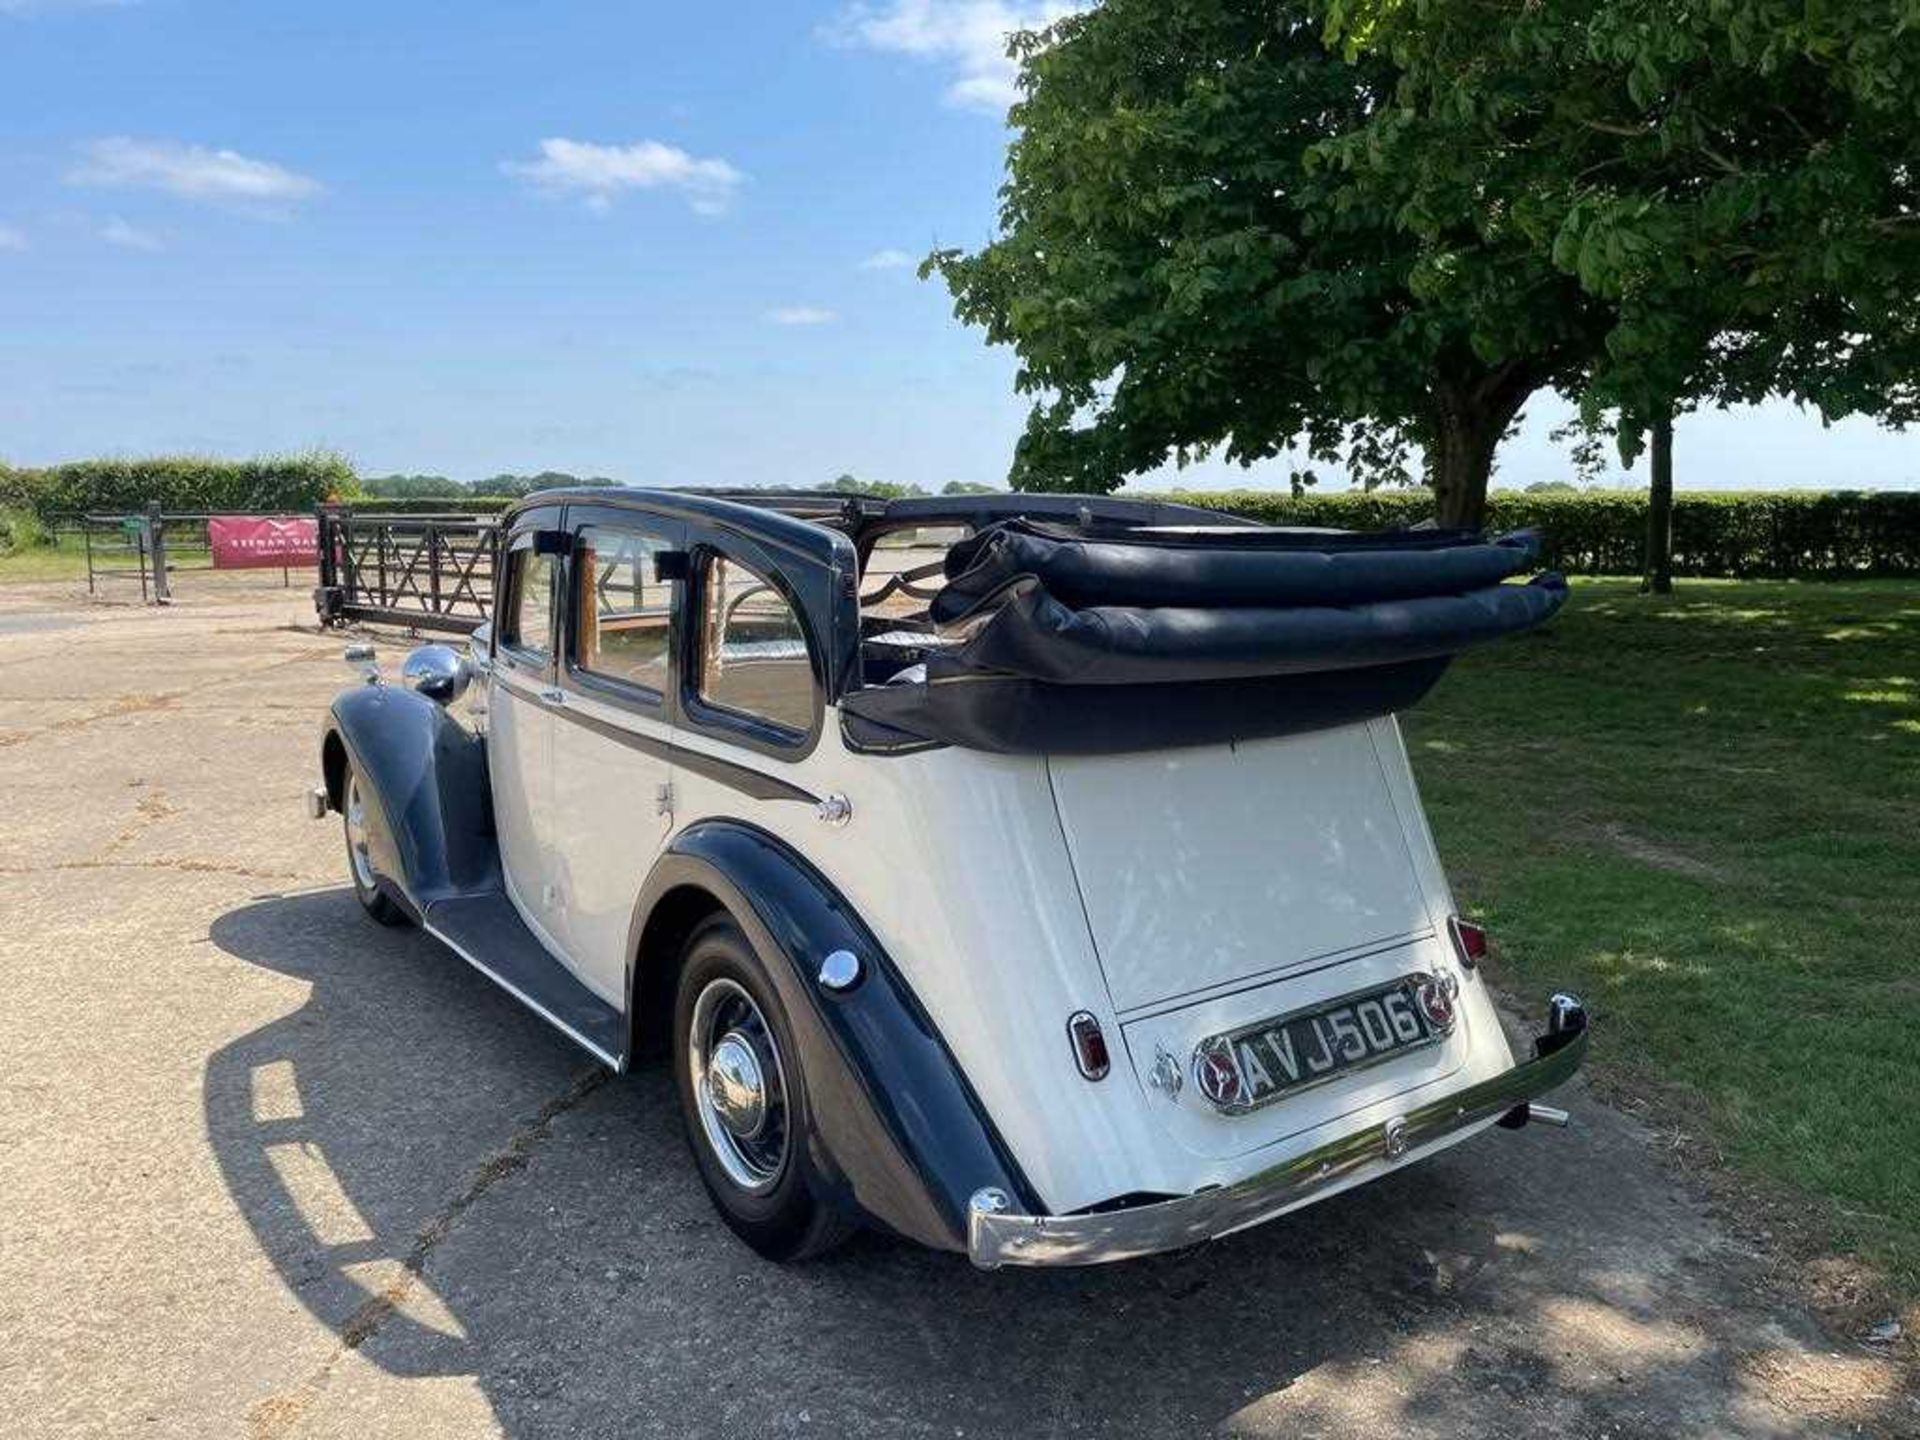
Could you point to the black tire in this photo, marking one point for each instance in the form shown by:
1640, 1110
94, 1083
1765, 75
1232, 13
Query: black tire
782, 1216
359, 863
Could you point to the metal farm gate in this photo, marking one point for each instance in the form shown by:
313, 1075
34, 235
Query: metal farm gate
427, 572
155, 547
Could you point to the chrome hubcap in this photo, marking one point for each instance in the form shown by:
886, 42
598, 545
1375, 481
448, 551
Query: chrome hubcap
736, 1087
357, 853
739, 1088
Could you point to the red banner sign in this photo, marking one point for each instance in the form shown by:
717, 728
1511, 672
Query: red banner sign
249, 542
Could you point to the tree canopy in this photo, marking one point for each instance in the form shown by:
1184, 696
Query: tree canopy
1183, 264
1365, 226
518, 485
1734, 180
413, 487
439, 487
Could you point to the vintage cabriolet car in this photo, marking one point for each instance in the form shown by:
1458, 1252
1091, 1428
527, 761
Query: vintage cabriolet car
1033, 877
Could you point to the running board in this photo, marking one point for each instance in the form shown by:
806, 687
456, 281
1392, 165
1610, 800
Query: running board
487, 932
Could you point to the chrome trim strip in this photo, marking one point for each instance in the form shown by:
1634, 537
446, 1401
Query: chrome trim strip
997, 1237
743, 778
611, 1062
1260, 979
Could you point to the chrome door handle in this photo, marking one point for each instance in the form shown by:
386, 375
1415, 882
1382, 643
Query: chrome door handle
553, 697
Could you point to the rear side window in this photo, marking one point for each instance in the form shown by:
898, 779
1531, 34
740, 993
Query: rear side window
529, 624
753, 650
624, 614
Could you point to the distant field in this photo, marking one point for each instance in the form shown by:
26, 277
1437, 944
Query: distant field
1703, 813
65, 560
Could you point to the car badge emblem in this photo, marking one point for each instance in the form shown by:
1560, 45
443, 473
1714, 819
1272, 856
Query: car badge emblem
1215, 1072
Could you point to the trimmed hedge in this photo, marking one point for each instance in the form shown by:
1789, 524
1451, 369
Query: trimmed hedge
183, 484
434, 505
1758, 534
1753, 533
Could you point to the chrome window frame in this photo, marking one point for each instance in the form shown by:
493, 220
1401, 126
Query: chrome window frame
704, 716
643, 699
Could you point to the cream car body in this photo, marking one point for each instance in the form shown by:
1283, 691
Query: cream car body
994, 910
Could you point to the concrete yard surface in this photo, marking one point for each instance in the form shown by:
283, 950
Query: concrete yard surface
269, 1170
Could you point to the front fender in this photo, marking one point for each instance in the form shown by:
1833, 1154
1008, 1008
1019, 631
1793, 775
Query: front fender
895, 1124
430, 819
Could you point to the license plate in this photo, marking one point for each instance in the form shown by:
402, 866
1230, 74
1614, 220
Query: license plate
1267, 1061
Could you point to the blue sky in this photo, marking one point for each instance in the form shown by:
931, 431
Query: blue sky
668, 243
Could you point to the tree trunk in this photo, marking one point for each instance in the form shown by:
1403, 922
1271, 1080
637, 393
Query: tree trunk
1460, 462
1659, 566
1468, 423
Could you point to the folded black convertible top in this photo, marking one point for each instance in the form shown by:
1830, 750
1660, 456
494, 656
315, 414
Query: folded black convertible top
1073, 640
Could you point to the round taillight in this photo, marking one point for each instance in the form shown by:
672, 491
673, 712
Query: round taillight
1218, 1077
1436, 1001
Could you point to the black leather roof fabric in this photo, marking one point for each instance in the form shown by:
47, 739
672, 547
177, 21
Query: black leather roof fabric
1224, 568
1044, 614
1034, 636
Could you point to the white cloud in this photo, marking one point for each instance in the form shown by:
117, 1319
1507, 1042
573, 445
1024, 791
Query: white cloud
801, 315
193, 172
887, 260
12, 239
118, 232
600, 172
967, 36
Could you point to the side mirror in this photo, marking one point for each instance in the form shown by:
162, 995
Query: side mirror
437, 672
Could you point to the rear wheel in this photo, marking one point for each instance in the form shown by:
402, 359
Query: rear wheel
366, 886
743, 1099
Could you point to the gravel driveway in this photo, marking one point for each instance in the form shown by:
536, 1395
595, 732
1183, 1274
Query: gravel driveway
269, 1170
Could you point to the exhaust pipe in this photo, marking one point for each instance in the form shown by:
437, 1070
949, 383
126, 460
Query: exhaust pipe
1566, 1018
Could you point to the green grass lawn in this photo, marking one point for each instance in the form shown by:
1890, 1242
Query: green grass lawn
1703, 814
65, 560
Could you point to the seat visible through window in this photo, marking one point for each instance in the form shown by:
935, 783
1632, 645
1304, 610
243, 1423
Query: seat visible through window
625, 615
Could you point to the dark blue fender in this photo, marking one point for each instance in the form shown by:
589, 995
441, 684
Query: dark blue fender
896, 1127
430, 825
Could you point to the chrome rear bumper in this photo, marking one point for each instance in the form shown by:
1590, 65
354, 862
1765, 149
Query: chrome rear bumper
999, 1235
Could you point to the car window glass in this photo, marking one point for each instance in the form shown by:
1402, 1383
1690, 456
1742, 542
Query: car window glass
894, 554
624, 616
530, 625
753, 653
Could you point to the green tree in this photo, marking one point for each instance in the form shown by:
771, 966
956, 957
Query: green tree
847, 483
1733, 181
413, 487
1188, 260
510, 485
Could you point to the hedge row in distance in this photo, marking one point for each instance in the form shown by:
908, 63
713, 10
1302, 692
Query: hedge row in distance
1729, 533
182, 484
1758, 534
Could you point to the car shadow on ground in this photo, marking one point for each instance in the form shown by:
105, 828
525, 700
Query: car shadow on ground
454, 1191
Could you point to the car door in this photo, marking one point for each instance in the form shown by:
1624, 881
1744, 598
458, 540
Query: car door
613, 729
519, 743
